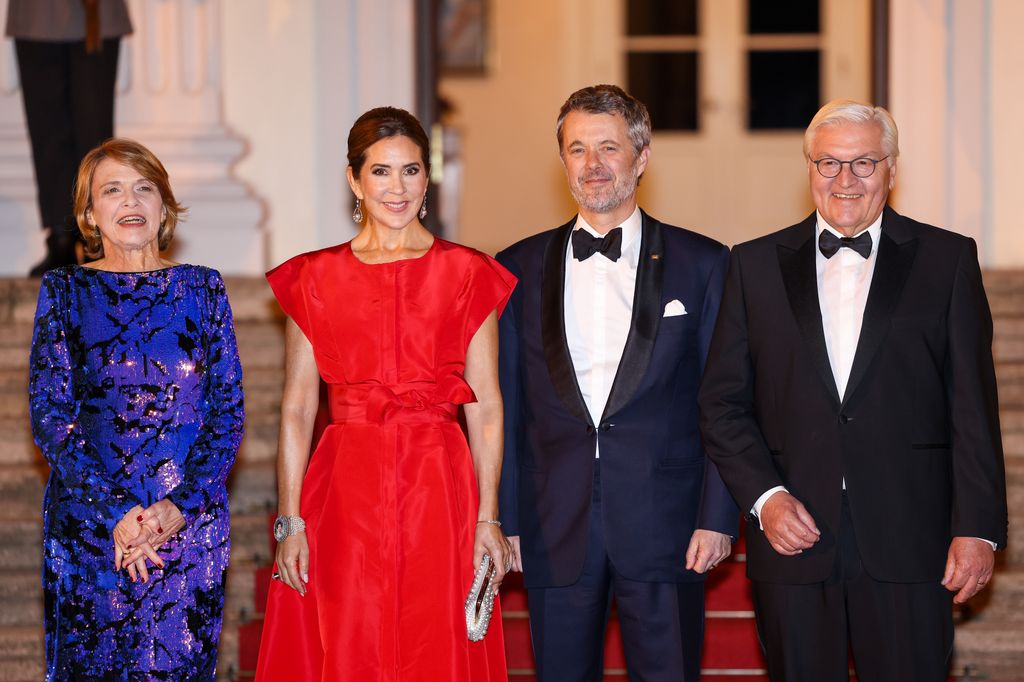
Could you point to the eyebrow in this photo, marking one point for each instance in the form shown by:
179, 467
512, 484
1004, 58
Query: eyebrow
387, 165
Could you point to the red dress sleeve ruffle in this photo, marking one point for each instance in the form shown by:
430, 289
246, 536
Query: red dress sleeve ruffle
487, 288
288, 282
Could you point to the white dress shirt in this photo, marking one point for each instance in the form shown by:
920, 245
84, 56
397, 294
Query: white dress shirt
598, 310
843, 284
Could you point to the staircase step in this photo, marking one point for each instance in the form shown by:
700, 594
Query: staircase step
990, 651
21, 642
1002, 601
1005, 291
22, 669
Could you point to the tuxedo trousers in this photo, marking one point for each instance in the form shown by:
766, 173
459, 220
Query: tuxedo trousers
897, 632
662, 624
68, 95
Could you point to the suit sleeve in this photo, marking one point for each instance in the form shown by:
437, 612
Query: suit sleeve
718, 510
511, 394
979, 483
732, 435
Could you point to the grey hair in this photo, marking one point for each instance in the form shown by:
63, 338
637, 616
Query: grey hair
840, 111
609, 99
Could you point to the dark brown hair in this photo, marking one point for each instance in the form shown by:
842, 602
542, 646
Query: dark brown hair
378, 124
134, 155
609, 99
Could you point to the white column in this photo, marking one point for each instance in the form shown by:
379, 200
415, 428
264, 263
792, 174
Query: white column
169, 98
19, 215
941, 98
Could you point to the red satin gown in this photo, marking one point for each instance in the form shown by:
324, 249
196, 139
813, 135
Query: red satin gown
390, 495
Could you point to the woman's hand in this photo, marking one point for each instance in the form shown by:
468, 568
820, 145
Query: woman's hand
126, 529
490, 540
293, 562
164, 518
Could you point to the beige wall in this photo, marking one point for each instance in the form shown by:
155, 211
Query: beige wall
724, 182
513, 184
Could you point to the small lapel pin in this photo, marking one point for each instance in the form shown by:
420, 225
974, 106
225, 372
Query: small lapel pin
655, 256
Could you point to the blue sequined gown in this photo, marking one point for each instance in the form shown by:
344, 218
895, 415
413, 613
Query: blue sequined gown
136, 395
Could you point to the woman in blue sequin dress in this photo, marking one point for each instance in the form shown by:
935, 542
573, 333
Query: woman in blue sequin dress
136, 403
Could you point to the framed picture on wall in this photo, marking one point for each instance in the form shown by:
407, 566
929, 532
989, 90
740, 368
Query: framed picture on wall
463, 36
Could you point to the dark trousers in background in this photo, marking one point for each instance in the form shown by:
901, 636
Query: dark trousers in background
898, 632
69, 109
662, 623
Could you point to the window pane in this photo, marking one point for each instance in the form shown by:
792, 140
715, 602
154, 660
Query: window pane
661, 17
793, 16
783, 88
667, 83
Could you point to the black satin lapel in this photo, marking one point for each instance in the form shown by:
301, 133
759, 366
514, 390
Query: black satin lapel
801, 280
891, 271
552, 325
643, 327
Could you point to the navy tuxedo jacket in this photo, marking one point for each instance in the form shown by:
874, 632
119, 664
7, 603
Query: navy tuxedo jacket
657, 486
917, 434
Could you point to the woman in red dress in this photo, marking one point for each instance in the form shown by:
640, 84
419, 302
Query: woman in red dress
380, 536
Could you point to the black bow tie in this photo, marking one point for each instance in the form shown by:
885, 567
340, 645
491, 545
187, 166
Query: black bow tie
585, 245
829, 244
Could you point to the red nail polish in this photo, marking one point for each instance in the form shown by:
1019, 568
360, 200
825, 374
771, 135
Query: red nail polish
139, 518
159, 530
129, 547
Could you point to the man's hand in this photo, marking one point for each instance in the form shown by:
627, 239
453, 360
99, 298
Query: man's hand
707, 549
969, 567
517, 557
787, 524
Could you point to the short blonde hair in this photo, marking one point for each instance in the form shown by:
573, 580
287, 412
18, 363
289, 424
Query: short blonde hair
840, 111
138, 157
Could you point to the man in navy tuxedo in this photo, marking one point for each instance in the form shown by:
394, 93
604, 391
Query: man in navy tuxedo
850, 404
605, 487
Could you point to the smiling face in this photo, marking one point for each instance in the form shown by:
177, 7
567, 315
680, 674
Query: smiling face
846, 202
126, 207
392, 182
602, 168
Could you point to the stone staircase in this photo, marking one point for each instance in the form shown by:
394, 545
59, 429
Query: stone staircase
990, 636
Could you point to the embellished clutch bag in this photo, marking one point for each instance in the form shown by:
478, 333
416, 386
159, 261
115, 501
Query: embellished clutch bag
480, 602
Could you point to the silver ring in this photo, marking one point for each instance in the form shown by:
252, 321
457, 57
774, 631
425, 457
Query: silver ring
275, 576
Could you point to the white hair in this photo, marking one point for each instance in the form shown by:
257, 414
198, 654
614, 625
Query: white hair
840, 111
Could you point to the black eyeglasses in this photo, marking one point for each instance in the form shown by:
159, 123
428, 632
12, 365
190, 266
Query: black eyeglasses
862, 167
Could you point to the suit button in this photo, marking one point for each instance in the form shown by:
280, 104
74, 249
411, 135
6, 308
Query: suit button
605, 427
590, 429
843, 419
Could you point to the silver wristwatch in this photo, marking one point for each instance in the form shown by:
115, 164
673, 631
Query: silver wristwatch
286, 526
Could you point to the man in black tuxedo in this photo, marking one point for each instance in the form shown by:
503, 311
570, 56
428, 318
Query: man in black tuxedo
850, 404
605, 487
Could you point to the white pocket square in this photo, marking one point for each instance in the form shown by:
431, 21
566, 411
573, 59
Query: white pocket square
674, 308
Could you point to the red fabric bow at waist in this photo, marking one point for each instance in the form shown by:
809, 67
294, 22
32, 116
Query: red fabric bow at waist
415, 402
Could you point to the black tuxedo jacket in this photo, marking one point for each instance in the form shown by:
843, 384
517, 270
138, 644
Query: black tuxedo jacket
917, 434
656, 483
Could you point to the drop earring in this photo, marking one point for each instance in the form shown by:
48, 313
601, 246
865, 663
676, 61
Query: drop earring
357, 213
423, 208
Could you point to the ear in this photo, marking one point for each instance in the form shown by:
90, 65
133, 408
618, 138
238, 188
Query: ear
353, 183
641, 162
892, 175
88, 217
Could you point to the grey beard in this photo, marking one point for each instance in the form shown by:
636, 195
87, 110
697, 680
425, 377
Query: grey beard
602, 204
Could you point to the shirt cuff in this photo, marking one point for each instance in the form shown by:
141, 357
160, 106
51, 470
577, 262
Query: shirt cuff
756, 509
994, 545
